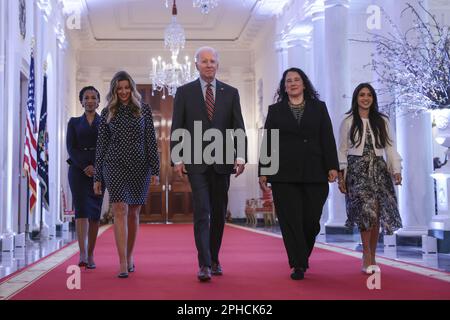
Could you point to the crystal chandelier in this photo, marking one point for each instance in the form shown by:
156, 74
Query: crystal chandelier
174, 38
167, 77
205, 5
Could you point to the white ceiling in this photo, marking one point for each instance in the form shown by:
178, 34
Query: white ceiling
147, 19
113, 23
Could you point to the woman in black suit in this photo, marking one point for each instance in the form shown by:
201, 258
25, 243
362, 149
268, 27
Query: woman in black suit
82, 133
307, 162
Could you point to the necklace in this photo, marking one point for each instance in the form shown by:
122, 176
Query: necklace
299, 105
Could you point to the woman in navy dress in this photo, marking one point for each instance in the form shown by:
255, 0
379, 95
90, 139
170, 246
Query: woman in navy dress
126, 160
82, 135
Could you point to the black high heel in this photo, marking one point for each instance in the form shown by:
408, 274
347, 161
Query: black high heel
82, 264
91, 266
132, 269
123, 275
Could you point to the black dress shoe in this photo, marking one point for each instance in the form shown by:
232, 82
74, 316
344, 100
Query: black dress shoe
216, 269
297, 274
204, 274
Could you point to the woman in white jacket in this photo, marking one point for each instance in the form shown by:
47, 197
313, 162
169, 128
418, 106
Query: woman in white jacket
365, 177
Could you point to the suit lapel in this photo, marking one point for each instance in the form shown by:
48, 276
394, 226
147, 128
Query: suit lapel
306, 113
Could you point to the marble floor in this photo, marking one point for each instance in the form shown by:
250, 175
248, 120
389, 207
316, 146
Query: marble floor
408, 254
11, 262
34, 250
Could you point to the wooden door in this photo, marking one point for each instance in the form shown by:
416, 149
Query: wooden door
171, 199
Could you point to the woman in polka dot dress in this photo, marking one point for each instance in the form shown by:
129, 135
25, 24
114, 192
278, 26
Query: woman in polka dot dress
126, 162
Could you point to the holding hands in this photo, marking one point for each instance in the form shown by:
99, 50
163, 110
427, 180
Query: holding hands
398, 179
89, 171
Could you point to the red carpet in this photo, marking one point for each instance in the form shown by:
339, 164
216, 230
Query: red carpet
255, 268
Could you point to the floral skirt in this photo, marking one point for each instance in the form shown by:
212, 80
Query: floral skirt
370, 194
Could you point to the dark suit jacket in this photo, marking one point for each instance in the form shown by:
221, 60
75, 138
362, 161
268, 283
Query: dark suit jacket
307, 151
189, 107
81, 141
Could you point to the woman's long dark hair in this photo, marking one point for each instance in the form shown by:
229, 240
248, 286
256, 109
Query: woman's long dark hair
376, 120
310, 93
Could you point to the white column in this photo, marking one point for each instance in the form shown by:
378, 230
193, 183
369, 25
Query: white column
317, 11
318, 22
3, 116
414, 140
282, 52
53, 145
336, 86
8, 121
60, 72
299, 52
416, 195
245, 186
10, 96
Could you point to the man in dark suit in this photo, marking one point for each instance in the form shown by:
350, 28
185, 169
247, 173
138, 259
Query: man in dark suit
202, 109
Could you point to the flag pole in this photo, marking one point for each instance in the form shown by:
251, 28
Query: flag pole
28, 237
41, 223
27, 223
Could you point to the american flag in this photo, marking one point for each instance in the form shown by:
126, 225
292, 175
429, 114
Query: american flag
29, 156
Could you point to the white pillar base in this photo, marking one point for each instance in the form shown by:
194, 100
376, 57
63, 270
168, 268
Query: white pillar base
45, 232
440, 222
429, 245
412, 232
335, 227
19, 240
335, 224
390, 241
440, 229
65, 226
52, 231
7, 243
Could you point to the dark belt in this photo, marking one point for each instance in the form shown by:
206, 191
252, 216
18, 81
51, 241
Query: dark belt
88, 149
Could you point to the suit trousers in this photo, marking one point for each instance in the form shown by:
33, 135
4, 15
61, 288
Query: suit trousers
299, 208
210, 200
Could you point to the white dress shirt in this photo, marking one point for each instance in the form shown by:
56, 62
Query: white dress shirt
204, 85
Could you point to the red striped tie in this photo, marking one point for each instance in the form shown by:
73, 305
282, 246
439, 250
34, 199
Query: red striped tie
209, 101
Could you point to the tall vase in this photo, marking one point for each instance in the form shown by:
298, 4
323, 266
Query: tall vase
440, 224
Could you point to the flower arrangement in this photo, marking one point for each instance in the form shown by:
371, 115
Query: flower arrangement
413, 66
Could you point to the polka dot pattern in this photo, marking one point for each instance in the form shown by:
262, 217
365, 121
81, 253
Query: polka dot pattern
127, 155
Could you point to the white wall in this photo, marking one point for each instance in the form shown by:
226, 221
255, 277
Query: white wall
235, 68
17, 59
